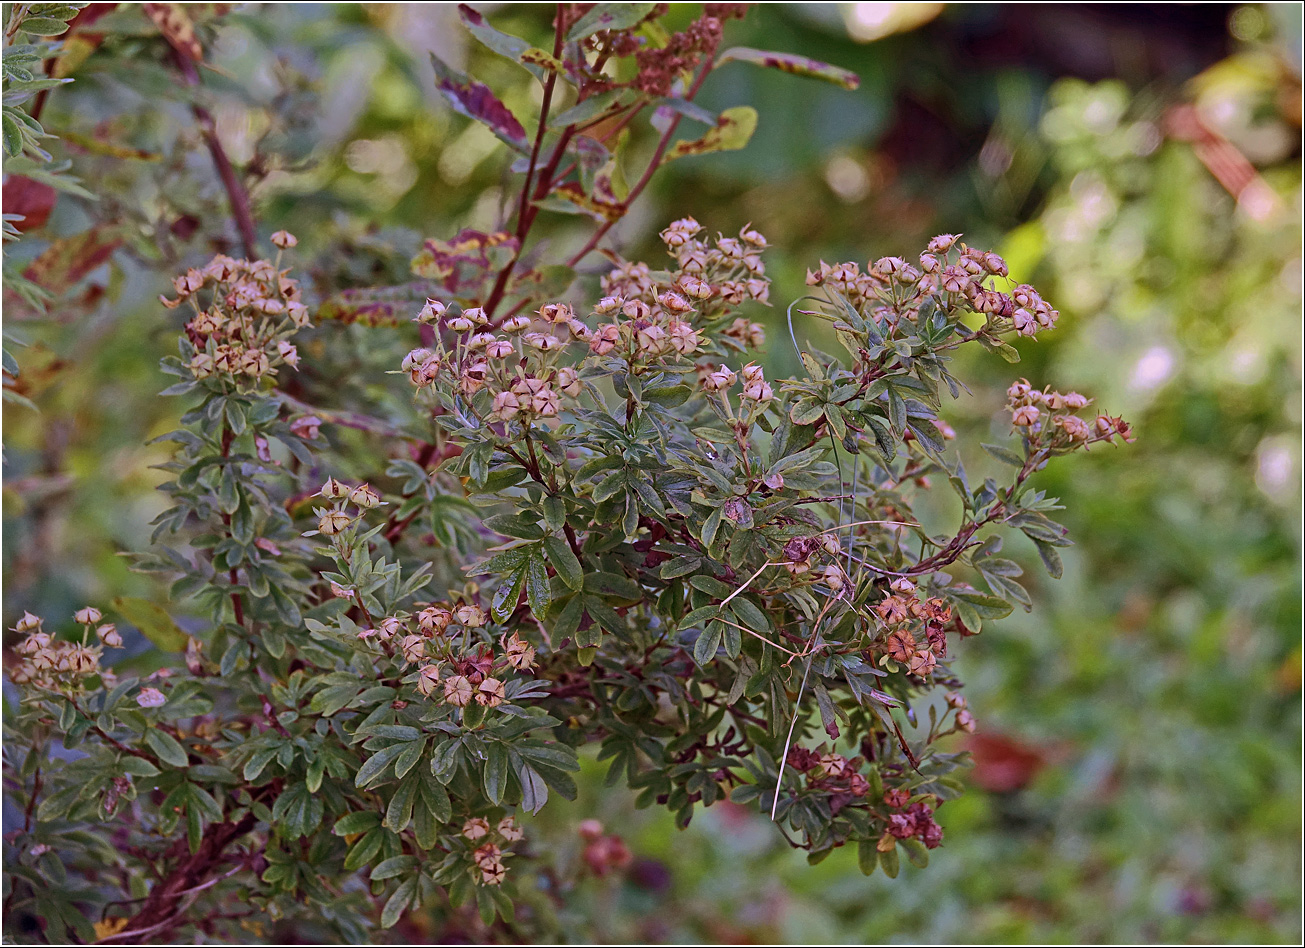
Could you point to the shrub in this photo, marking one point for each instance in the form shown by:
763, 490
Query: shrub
593, 526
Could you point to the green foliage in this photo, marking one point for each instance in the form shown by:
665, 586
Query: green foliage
382, 637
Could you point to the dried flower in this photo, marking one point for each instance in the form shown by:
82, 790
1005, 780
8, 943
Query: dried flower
1025, 416
490, 693
457, 692
88, 616
333, 522
151, 698
365, 497
428, 680
413, 648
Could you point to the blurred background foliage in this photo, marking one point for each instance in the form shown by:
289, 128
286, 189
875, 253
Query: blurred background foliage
1137, 766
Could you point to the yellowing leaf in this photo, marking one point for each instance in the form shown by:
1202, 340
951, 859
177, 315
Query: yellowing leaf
733, 131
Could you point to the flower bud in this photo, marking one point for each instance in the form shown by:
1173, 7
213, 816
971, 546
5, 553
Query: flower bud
605, 339
457, 692
490, 693
432, 312
475, 828
1025, 416
365, 497
429, 680
506, 406
472, 616
568, 380
87, 616
284, 239
333, 489
151, 698
556, 313
515, 324
413, 648
608, 305
108, 634
333, 522
695, 288
719, 380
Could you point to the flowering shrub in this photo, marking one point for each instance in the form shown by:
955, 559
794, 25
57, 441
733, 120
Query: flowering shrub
600, 525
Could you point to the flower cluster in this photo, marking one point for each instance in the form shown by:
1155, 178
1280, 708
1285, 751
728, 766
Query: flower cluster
830, 773
657, 67
1050, 418
435, 639
487, 845
912, 820
914, 629
62, 665
246, 312
728, 270
336, 519
894, 289
604, 852
515, 368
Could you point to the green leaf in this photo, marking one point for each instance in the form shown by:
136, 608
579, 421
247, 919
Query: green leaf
166, 747
891, 862
408, 757
364, 850
610, 584
867, 856
43, 26
399, 812
397, 903
13, 135
358, 822
375, 765
704, 650
507, 595
538, 592
1005, 455
609, 16
988, 607
1050, 559
495, 775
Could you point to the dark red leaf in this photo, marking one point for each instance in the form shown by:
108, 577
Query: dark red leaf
32, 199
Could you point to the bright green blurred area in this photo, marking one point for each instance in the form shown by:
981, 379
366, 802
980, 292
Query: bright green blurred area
1146, 716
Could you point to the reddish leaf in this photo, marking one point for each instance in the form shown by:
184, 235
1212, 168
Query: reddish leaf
32, 199
590, 203
175, 25
788, 62
463, 261
378, 306
476, 101
1003, 764
66, 262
